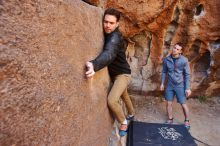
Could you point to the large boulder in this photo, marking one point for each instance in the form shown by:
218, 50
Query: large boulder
44, 95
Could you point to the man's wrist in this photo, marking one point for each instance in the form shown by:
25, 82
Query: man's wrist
187, 90
93, 64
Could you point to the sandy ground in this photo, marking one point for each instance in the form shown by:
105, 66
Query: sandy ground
204, 117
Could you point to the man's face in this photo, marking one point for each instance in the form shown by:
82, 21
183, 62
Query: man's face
177, 50
110, 23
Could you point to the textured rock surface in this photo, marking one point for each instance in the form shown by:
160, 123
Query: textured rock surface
45, 98
150, 25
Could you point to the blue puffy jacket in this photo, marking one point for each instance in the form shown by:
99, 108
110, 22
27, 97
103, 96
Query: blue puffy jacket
178, 73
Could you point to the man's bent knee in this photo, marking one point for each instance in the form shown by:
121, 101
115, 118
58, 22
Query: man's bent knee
169, 103
112, 103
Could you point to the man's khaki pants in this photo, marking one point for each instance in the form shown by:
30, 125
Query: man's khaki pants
119, 89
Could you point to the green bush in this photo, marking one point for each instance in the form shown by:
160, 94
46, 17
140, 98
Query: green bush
203, 98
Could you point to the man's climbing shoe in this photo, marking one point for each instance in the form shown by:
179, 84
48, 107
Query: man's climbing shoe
123, 130
187, 124
130, 118
169, 121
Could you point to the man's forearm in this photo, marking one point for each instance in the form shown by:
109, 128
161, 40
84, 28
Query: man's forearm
104, 59
163, 78
187, 83
187, 76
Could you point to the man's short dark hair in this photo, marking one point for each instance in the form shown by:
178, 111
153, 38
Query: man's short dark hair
179, 44
114, 12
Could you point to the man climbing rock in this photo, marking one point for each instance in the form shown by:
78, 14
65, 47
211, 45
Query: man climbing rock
177, 68
114, 57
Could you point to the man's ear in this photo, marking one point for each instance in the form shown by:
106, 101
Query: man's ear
181, 51
117, 23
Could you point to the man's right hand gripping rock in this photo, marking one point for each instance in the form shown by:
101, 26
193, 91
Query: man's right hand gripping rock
90, 69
